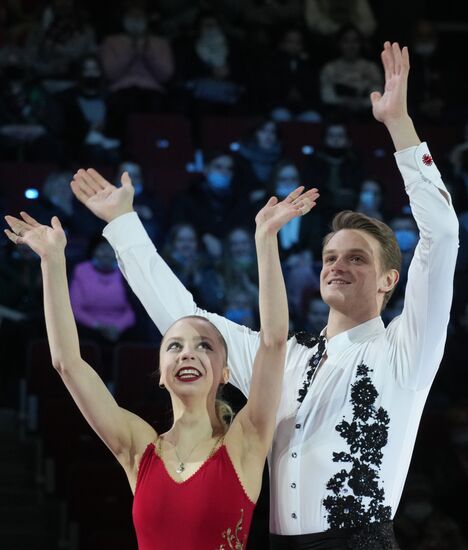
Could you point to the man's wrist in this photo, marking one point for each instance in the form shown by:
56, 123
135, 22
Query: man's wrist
116, 215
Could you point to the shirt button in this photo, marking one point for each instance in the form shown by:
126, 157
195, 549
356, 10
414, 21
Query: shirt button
293, 515
293, 485
294, 455
298, 426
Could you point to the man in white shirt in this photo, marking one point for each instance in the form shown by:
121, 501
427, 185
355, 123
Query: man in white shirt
352, 400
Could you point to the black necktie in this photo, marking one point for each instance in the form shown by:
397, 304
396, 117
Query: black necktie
313, 363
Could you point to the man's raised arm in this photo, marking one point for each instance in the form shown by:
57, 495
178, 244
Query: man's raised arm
162, 294
417, 338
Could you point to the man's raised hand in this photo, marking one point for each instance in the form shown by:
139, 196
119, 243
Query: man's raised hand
105, 200
391, 106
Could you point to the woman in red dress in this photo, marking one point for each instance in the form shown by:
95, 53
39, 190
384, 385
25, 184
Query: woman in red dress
196, 485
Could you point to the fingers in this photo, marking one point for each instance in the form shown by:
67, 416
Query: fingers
387, 61
375, 97
13, 237
125, 179
272, 201
405, 62
29, 219
17, 226
396, 57
55, 222
294, 194
94, 179
81, 190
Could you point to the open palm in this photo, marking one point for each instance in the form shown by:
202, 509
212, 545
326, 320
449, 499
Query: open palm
105, 200
44, 240
391, 105
275, 214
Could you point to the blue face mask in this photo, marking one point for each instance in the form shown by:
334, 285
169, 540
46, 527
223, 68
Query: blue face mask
283, 189
218, 181
406, 238
368, 199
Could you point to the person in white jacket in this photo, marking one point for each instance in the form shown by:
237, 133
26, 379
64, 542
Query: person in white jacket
352, 399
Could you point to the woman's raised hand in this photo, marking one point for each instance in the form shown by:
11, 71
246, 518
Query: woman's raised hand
275, 214
46, 241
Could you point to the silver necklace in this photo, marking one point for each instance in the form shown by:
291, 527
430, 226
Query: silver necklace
181, 467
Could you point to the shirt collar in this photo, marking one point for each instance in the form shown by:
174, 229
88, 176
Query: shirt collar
354, 335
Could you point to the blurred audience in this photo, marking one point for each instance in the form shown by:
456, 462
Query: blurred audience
138, 65
99, 297
258, 154
326, 17
347, 81
60, 37
193, 267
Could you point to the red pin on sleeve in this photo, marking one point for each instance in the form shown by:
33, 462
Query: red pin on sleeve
427, 159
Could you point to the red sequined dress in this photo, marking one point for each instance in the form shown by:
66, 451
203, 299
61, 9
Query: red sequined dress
208, 511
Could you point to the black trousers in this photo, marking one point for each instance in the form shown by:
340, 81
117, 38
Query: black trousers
377, 536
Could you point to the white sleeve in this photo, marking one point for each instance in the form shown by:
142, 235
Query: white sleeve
166, 299
417, 337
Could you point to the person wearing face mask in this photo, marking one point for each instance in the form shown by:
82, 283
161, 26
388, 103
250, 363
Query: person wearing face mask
213, 205
370, 199
138, 66
98, 296
337, 167
85, 114
210, 68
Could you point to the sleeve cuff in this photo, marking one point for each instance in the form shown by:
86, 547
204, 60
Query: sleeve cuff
417, 161
125, 231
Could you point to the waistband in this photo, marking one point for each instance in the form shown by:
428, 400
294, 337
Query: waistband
375, 536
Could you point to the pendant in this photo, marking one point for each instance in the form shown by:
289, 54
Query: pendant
180, 468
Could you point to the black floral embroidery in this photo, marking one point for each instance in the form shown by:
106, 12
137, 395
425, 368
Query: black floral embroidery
357, 499
308, 340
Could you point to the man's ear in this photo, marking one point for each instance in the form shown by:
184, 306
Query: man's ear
389, 281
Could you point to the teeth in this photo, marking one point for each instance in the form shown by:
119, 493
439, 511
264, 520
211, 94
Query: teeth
188, 373
337, 282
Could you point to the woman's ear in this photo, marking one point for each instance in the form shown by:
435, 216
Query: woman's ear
225, 375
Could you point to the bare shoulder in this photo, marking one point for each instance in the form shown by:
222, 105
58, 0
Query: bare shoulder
142, 434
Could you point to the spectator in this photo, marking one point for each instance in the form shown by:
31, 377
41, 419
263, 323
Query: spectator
240, 308
239, 265
210, 68
29, 121
336, 170
259, 153
61, 37
192, 267
291, 84
326, 17
98, 296
430, 85
370, 199
347, 81
138, 65
84, 115
213, 205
